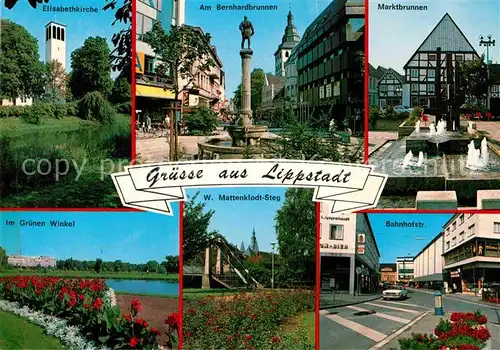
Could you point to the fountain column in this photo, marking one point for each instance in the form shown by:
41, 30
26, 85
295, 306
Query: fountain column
205, 279
246, 88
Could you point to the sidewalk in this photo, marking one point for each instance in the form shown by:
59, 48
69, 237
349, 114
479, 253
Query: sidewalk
329, 300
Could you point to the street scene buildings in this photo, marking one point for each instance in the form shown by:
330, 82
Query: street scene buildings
438, 260
196, 110
434, 108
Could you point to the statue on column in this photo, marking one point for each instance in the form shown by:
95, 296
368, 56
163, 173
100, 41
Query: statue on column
247, 31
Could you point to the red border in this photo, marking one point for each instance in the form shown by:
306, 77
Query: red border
132, 63
181, 269
318, 282
366, 86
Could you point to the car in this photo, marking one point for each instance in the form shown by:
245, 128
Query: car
403, 109
395, 292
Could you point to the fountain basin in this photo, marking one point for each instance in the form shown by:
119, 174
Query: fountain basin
249, 135
221, 148
448, 143
440, 173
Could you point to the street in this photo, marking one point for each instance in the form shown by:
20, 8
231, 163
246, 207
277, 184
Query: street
341, 328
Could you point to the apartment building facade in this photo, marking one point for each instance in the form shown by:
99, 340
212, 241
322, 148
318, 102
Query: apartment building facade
471, 251
428, 264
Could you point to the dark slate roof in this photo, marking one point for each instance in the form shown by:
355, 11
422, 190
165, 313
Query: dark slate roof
276, 80
448, 36
377, 72
389, 70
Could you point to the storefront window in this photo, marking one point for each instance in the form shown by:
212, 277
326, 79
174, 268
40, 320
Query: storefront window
496, 227
336, 232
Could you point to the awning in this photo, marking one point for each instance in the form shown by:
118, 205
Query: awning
153, 91
429, 278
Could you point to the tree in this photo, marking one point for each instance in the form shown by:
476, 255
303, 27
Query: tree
11, 3
202, 121
301, 142
121, 56
296, 234
183, 53
171, 263
3, 259
91, 68
473, 79
56, 81
152, 266
195, 232
257, 79
21, 71
98, 265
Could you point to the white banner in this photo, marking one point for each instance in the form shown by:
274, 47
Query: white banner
152, 187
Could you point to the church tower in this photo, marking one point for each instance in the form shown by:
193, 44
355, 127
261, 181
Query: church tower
55, 43
288, 42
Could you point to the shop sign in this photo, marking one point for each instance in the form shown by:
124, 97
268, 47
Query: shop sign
361, 238
361, 249
478, 249
334, 246
455, 274
185, 98
332, 282
139, 62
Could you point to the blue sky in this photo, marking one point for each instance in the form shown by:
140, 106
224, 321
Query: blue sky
396, 35
134, 237
80, 26
269, 29
236, 220
396, 242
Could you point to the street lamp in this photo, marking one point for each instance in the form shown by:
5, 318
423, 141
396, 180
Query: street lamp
273, 244
487, 44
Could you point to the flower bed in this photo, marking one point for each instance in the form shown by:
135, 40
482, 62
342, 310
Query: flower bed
463, 331
244, 321
84, 304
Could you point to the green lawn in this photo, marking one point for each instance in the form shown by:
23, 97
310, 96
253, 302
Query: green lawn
17, 333
300, 330
168, 296
89, 274
196, 293
15, 126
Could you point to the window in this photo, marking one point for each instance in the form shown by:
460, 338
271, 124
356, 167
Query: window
432, 57
286, 54
461, 219
431, 88
454, 226
383, 87
459, 57
58, 33
54, 32
336, 232
454, 241
496, 227
462, 236
447, 231
414, 87
414, 73
62, 34
431, 73
47, 34
472, 230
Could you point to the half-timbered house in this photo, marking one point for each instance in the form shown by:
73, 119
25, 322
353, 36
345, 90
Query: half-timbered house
431, 72
390, 89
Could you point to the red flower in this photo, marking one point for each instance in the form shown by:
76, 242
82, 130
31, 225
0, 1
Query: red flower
97, 303
248, 337
173, 320
188, 334
127, 317
134, 342
276, 339
141, 322
136, 305
154, 331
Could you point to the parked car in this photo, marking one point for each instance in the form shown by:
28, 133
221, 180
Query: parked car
402, 109
395, 292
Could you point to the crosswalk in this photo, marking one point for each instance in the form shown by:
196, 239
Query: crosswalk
363, 326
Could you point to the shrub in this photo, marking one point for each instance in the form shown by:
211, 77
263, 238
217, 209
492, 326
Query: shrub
375, 114
12, 111
202, 121
414, 116
93, 106
71, 109
32, 115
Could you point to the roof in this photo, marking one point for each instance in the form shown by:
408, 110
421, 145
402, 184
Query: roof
274, 80
398, 76
448, 36
59, 24
377, 72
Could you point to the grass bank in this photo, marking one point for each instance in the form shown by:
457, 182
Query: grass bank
90, 275
53, 164
300, 329
196, 293
17, 333
167, 296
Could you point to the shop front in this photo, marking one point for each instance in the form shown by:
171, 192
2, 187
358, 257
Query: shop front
472, 265
335, 272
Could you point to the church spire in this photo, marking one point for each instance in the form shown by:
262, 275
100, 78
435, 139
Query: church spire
290, 35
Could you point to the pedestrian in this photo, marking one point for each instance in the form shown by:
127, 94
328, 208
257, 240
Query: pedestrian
148, 123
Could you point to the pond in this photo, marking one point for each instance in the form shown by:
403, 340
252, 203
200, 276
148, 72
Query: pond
144, 287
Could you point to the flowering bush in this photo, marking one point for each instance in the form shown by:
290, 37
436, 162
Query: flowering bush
463, 331
243, 321
84, 304
173, 322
